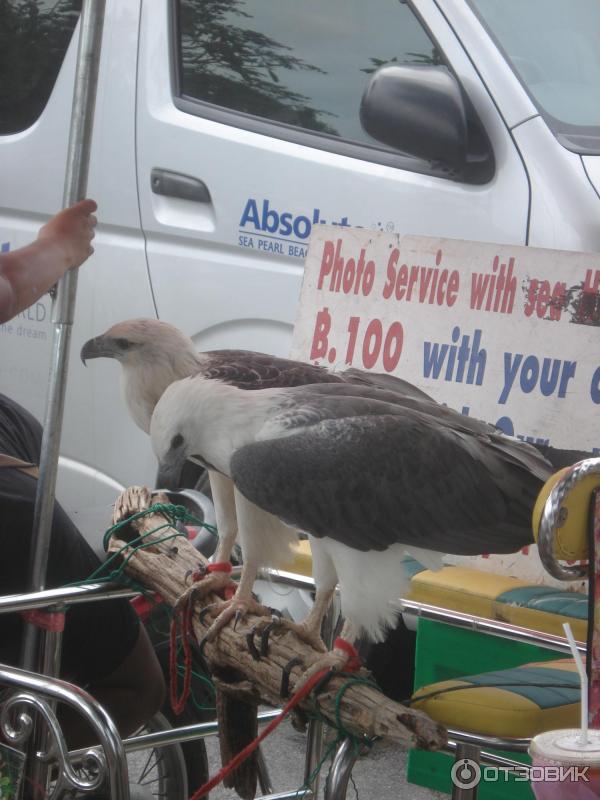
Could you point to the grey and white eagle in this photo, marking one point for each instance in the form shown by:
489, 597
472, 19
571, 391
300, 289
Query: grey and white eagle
154, 354
370, 474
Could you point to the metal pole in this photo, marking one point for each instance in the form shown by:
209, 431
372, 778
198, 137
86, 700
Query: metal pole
593, 660
465, 772
37, 643
551, 520
88, 708
316, 733
80, 136
345, 757
504, 630
264, 778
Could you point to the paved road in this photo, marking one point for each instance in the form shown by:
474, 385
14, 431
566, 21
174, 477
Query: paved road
378, 776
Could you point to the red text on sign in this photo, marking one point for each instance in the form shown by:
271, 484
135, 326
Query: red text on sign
349, 276
375, 342
541, 297
592, 281
495, 290
367, 342
320, 340
430, 285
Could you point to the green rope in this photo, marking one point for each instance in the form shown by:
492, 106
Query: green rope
196, 674
161, 615
117, 574
197, 704
173, 512
357, 741
328, 752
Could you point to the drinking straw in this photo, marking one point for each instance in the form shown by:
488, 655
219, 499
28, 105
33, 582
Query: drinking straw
583, 681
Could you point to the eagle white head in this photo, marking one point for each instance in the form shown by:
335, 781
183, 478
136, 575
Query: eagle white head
152, 354
175, 431
208, 421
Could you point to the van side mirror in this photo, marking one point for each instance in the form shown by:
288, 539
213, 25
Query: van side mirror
420, 111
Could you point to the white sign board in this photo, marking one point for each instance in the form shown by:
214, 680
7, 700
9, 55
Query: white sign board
503, 333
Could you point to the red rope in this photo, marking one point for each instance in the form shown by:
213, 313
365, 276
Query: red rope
178, 703
222, 566
219, 566
249, 749
354, 662
47, 620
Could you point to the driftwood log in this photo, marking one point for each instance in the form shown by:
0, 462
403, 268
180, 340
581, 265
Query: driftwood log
165, 567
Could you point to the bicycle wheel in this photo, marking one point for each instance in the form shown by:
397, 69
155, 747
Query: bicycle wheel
165, 772
200, 708
157, 773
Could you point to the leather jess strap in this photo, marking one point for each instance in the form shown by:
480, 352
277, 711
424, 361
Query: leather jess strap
10, 462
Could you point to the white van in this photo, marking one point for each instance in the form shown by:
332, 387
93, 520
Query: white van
225, 131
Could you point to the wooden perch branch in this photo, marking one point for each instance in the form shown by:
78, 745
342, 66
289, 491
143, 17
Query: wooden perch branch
165, 567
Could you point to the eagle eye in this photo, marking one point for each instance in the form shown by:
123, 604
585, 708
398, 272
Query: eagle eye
123, 344
176, 441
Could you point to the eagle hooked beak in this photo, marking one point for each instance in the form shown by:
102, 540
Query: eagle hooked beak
98, 347
170, 470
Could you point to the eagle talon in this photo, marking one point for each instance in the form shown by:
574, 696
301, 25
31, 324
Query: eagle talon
204, 611
251, 646
266, 633
334, 661
235, 609
239, 615
304, 632
202, 644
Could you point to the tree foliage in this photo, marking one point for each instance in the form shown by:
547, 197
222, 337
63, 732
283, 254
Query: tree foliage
34, 36
224, 61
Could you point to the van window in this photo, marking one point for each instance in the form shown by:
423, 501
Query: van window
298, 63
552, 45
34, 36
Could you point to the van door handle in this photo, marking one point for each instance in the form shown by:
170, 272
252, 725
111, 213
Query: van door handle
174, 184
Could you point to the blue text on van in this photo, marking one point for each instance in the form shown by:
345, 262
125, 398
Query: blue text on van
266, 219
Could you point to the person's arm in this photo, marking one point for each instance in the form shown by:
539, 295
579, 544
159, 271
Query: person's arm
62, 243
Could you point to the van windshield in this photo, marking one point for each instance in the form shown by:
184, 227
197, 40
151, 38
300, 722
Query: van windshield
554, 48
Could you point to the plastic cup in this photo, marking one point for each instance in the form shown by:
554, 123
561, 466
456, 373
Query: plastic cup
564, 767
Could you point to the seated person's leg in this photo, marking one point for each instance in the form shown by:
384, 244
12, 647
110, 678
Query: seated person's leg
105, 649
132, 693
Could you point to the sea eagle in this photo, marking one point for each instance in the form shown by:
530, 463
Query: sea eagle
153, 354
369, 474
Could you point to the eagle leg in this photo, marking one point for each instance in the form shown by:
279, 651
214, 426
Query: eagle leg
341, 658
309, 630
235, 609
214, 583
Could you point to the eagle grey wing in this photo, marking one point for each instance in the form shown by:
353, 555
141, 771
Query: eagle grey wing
382, 380
247, 369
323, 398
563, 458
370, 482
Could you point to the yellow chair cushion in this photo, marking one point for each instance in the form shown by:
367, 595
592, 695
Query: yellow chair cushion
483, 594
519, 702
463, 589
301, 563
503, 598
